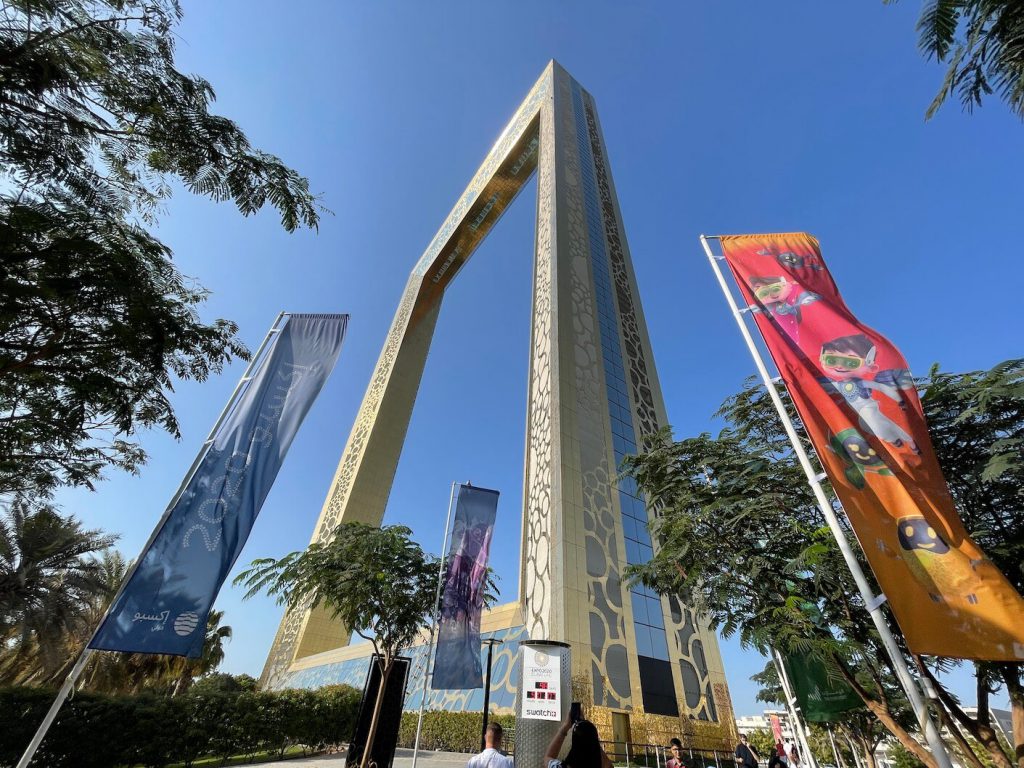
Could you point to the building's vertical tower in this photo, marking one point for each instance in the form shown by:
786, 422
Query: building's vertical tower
649, 665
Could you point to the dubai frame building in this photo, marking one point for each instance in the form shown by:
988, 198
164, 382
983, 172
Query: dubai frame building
646, 667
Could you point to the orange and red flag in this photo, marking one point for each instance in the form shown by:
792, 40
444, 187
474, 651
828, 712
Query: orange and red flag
856, 397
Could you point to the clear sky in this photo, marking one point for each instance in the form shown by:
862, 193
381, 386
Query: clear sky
722, 117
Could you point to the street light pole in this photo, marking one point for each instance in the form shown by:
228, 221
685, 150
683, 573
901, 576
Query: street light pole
490, 642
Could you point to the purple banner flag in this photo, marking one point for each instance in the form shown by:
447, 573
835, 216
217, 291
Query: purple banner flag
164, 606
457, 660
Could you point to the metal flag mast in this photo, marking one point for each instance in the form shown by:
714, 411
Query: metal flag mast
873, 602
794, 710
853, 750
433, 626
88, 652
835, 752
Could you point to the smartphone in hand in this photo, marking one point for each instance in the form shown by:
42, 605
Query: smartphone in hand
575, 712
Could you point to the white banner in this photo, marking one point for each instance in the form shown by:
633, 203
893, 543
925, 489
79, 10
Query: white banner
541, 685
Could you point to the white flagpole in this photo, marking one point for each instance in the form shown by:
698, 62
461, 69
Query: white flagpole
873, 603
433, 628
835, 752
87, 652
794, 711
856, 755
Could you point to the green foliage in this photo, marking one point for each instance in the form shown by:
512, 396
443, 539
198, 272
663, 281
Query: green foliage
763, 742
742, 541
983, 43
976, 422
223, 682
95, 324
99, 731
901, 758
452, 731
92, 100
376, 581
48, 582
95, 321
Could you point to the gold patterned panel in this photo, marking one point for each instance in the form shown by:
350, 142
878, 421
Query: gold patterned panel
606, 626
572, 548
362, 482
686, 635
536, 565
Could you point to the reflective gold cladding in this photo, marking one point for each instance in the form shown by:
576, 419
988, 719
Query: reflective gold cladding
573, 547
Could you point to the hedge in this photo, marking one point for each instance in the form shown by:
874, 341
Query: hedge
101, 731
451, 731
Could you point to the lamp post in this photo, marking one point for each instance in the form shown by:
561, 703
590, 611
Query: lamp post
490, 642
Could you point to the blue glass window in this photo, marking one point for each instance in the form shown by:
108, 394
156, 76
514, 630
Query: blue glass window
648, 621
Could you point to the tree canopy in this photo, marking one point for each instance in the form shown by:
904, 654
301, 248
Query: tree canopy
96, 323
376, 581
49, 579
742, 540
982, 44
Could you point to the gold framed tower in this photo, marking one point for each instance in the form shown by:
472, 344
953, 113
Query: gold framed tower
647, 667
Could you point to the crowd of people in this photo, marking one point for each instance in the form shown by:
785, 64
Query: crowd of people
784, 755
585, 750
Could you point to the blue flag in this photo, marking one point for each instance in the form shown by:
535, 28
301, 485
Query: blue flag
164, 606
457, 660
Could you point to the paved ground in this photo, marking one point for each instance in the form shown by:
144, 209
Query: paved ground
403, 759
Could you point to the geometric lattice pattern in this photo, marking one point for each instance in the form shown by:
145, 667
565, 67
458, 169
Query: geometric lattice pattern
504, 676
593, 395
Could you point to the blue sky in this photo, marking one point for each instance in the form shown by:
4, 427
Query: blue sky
720, 117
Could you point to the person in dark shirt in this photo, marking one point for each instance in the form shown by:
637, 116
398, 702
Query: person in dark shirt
746, 757
585, 752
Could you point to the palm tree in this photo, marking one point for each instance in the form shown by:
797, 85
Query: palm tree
183, 671
116, 672
982, 41
48, 586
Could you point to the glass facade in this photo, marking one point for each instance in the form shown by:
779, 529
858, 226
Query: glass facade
648, 620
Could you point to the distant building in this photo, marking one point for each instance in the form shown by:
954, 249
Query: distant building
763, 722
1002, 721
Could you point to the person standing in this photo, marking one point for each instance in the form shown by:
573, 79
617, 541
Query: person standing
746, 757
585, 750
787, 748
492, 756
676, 761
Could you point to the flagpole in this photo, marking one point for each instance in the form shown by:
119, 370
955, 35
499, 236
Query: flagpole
794, 709
433, 627
88, 652
835, 752
873, 603
853, 749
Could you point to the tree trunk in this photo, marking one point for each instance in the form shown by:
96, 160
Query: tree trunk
869, 757
385, 673
1011, 674
966, 751
880, 709
978, 728
854, 740
182, 684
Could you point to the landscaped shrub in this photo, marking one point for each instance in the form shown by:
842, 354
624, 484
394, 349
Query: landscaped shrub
85, 734
100, 731
450, 731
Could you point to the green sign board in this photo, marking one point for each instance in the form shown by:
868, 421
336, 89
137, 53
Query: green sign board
821, 697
